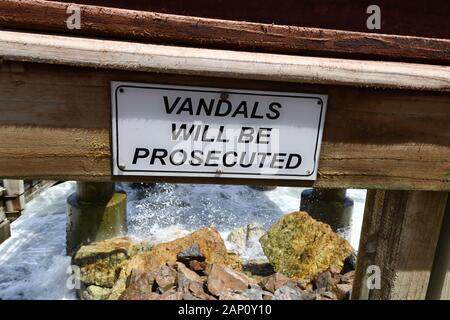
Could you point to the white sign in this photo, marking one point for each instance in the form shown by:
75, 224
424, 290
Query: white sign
167, 130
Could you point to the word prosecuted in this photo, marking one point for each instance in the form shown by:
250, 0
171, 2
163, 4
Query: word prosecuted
205, 133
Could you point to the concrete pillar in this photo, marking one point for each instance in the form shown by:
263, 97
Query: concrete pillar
95, 212
331, 206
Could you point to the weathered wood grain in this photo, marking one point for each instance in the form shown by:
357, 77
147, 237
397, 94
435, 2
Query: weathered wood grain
439, 287
106, 54
399, 235
5, 230
153, 27
420, 17
2, 211
55, 124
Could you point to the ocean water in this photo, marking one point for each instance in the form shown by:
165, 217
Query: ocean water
33, 264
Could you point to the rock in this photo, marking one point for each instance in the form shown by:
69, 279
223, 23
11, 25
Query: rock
100, 262
191, 253
183, 283
334, 270
189, 296
349, 263
259, 268
165, 278
301, 247
273, 282
254, 293
234, 261
287, 292
94, 292
196, 289
232, 295
133, 295
347, 278
208, 241
187, 273
221, 279
140, 286
326, 295
343, 291
190, 285
198, 266
322, 280
267, 295
193, 258
121, 284
171, 295
245, 237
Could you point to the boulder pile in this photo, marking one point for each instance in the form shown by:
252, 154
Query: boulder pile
311, 263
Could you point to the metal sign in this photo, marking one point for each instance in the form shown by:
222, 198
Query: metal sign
168, 130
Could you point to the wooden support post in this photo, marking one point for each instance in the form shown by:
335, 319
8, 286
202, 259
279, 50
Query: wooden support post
2, 204
14, 198
5, 231
399, 235
439, 288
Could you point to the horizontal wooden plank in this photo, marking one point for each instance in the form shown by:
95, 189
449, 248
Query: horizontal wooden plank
419, 17
56, 124
212, 33
19, 46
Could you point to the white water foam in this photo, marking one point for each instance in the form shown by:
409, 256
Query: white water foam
32, 261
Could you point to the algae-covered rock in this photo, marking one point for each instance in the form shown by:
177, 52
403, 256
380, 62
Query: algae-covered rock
100, 262
301, 247
94, 292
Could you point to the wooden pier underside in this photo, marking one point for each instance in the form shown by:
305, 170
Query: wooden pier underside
387, 126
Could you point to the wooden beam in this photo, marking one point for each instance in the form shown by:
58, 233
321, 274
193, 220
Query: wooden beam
439, 288
39, 15
2, 210
56, 124
399, 235
419, 17
120, 55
